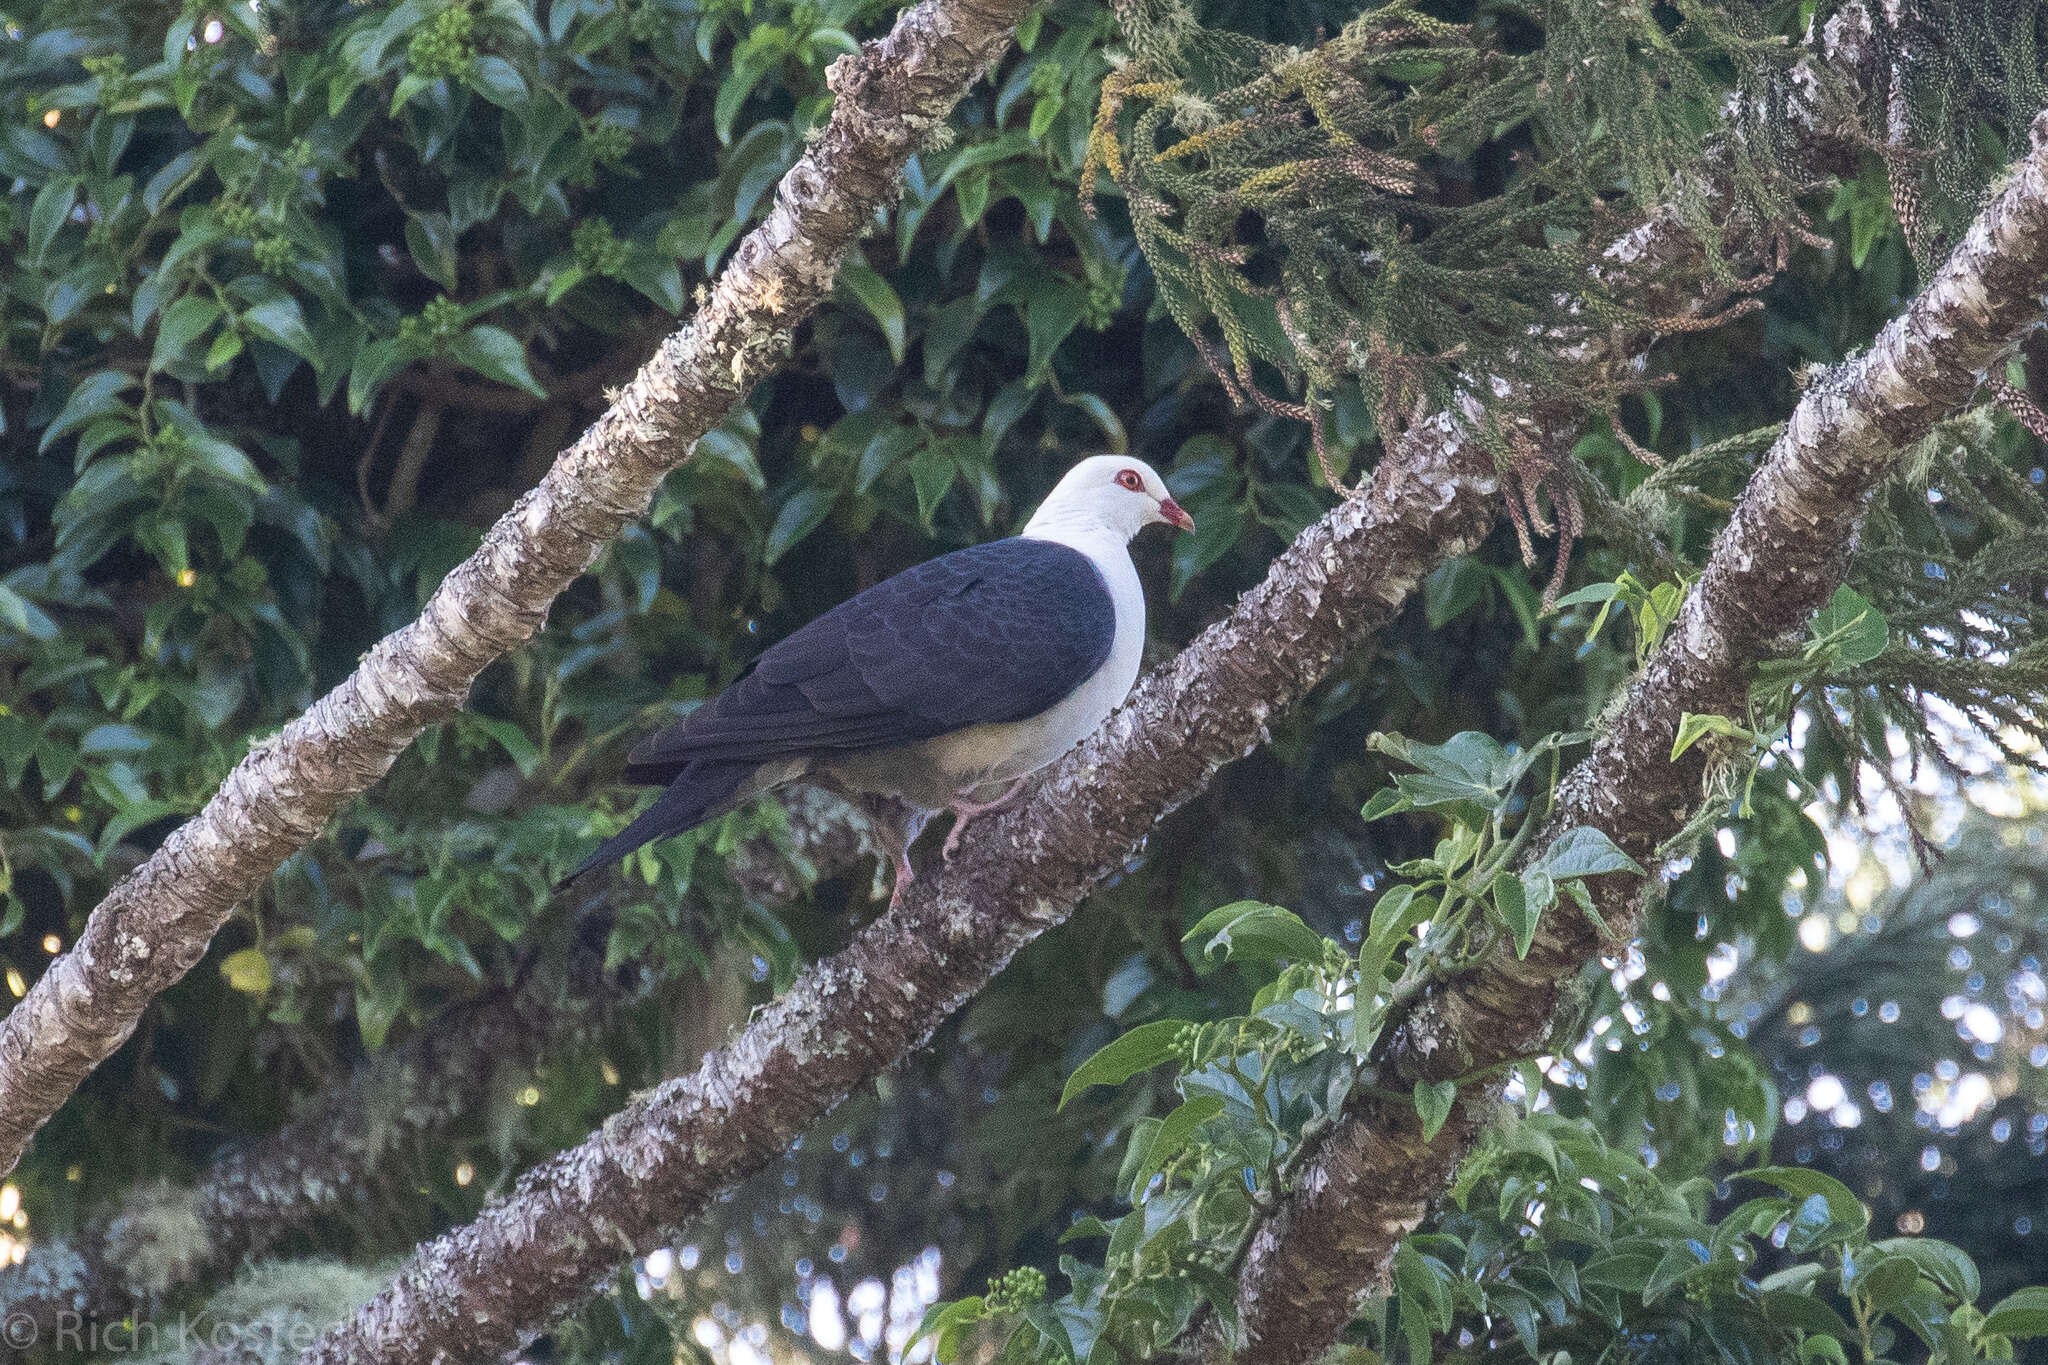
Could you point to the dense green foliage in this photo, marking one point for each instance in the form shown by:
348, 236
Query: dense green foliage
1562, 1244
297, 299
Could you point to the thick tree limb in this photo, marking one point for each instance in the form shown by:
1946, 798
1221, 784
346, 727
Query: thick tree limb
1374, 1178
479, 1290
255, 1195
332, 1155
155, 924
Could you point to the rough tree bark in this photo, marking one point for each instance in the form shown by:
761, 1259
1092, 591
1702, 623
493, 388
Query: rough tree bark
332, 1155
1374, 1178
277, 1185
155, 924
254, 1196
479, 1290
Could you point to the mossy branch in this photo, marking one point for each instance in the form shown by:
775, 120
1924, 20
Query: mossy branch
156, 923
1375, 1177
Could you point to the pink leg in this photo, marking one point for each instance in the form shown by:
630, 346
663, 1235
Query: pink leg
965, 811
897, 836
905, 875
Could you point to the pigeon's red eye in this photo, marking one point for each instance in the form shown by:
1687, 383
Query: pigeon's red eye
1130, 479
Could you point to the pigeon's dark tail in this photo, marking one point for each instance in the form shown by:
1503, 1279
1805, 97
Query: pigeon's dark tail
699, 792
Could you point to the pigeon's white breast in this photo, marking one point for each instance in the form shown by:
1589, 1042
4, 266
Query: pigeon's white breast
998, 753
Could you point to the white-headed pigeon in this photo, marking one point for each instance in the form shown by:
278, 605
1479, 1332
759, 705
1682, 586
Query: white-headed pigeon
967, 671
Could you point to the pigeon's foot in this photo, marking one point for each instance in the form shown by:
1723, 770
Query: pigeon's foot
964, 812
905, 875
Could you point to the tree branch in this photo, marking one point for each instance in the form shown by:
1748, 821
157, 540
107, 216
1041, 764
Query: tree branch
156, 923
481, 1289
284, 1182
329, 1157
1374, 1178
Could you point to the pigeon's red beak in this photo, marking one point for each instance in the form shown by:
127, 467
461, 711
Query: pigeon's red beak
1175, 514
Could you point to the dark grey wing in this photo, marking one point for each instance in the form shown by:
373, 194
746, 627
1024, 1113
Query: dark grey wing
996, 632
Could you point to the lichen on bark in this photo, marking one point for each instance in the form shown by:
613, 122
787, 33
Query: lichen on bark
1374, 1177
481, 1289
335, 1155
156, 922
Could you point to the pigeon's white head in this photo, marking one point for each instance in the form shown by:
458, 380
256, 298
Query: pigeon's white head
1107, 494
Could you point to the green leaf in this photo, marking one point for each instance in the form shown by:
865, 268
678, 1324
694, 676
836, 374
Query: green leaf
733, 448
1469, 766
932, 471
1115, 440
1592, 592
377, 1007
1692, 727
948, 328
513, 740
498, 81
247, 971
48, 214
1678, 1262
496, 353
25, 616
129, 819
1523, 600
656, 277
805, 511
95, 396
218, 691
1606, 594
883, 452
183, 323
878, 296
2023, 1313
1886, 1281
1803, 1183
943, 1323
1255, 931
1044, 112
1454, 589
409, 85
223, 459
1948, 1266
431, 239
1384, 802
1144, 1047
1803, 1312
1433, 1100
114, 739
1393, 916
1857, 629
746, 73
1583, 851
1050, 314
1520, 1310
1511, 899
1627, 1271
1922, 1311
1825, 1348
1811, 1225
1171, 1136
1424, 1278
279, 321
1217, 530
970, 194
225, 348
374, 365
169, 178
